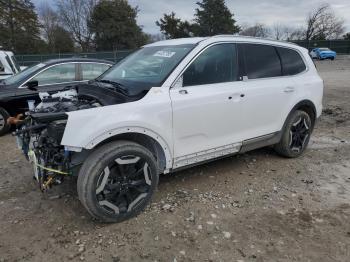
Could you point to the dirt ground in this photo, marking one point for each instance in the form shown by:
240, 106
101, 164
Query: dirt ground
252, 207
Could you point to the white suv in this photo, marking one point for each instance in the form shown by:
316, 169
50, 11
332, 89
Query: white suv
175, 104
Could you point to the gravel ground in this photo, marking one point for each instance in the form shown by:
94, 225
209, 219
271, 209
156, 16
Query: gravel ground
252, 207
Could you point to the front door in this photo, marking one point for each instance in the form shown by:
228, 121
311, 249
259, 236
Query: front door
51, 80
207, 105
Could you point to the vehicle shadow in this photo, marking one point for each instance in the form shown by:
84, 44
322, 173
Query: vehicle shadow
66, 197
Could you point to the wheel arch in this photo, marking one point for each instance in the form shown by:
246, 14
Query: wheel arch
4, 106
306, 106
150, 140
10, 107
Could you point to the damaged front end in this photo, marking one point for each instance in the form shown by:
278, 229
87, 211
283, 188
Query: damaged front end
39, 139
40, 133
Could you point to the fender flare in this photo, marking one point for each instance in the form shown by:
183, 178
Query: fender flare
300, 105
132, 129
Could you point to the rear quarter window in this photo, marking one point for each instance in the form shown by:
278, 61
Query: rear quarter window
292, 63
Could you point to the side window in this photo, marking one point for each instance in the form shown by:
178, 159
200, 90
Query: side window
292, 63
57, 74
91, 71
217, 64
261, 61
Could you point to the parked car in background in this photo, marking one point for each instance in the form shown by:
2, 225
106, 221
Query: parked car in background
171, 105
323, 53
8, 64
50, 76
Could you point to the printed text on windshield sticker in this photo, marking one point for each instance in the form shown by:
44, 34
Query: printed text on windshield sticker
167, 54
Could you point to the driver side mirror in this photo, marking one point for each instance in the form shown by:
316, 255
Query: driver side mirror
32, 85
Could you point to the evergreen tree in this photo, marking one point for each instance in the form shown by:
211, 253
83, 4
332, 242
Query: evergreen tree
113, 23
213, 18
19, 26
172, 27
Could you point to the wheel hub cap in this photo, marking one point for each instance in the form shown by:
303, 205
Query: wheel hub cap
299, 133
123, 184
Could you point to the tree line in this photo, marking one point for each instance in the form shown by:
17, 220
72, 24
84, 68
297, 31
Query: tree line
213, 17
89, 25
70, 25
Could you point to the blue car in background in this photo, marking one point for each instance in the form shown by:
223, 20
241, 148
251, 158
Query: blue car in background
323, 53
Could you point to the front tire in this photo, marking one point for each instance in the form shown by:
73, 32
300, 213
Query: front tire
4, 127
117, 181
296, 135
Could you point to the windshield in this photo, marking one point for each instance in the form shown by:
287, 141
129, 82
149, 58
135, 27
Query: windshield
148, 67
22, 75
324, 49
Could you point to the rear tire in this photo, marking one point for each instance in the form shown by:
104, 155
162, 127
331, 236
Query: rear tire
296, 135
117, 181
4, 127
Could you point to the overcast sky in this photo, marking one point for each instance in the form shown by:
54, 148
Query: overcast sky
290, 12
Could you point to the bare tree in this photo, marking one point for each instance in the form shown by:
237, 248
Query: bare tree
49, 22
277, 31
74, 16
297, 34
322, 23
257, 30
283, 32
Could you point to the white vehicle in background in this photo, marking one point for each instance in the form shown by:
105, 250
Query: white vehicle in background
8, 64
171, 105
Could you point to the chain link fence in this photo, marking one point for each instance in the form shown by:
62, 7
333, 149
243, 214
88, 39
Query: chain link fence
28, 60
339, 46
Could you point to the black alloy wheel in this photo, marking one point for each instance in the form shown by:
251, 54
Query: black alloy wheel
117, 181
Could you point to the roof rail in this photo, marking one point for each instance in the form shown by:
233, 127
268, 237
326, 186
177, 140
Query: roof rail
254, 37
226, 35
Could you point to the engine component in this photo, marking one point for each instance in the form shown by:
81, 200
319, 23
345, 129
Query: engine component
39, 135
15, 120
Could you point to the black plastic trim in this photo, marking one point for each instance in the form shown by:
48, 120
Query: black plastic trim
261, 141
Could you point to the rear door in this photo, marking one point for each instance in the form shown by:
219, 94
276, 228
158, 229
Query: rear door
268, 92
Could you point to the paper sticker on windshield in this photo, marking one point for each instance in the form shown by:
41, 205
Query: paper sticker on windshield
166, 54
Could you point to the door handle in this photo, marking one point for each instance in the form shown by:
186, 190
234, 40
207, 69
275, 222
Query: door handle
183, 92
236, 95
289, 89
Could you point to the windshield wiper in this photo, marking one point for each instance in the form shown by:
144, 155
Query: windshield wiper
120, 87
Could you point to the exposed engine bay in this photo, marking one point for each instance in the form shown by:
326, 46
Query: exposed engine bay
40, 133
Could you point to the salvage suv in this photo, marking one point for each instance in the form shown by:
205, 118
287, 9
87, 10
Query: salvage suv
171, 105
